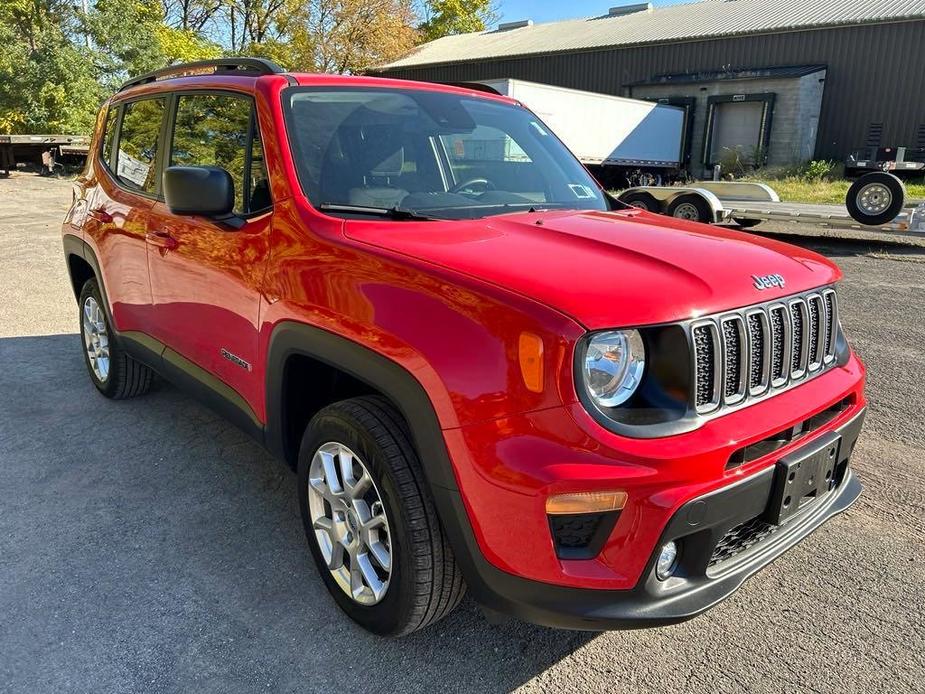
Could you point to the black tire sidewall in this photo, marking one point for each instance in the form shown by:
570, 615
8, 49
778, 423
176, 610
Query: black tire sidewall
110, 385
390, 614
896, 188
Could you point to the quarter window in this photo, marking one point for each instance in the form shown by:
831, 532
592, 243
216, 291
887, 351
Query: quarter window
136, 157
215, 130
109, 131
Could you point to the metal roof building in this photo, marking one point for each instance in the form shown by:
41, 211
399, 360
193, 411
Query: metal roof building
866, 59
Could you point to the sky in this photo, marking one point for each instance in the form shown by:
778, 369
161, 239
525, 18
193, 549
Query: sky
551, 10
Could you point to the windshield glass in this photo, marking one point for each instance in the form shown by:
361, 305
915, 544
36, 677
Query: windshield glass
439, 155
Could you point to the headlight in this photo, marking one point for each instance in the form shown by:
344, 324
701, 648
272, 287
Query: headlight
613, 366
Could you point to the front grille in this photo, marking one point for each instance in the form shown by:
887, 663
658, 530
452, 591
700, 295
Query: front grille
796, 322
705, 351
762, 349
778, 341
740, 538
831, 314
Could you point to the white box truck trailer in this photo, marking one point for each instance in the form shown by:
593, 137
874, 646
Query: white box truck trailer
623, 141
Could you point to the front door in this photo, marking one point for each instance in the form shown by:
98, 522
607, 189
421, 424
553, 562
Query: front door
205, 275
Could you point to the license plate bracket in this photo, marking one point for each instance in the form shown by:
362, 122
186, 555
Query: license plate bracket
802, 478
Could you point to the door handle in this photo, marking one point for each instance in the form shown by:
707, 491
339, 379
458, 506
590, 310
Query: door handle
161, 239
100, 215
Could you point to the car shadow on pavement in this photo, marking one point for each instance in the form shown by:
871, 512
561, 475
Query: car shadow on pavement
150, 545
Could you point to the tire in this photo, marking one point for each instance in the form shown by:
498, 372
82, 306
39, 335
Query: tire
876, 198
114, 373
644, 201
422, 583
746, 223
690, 207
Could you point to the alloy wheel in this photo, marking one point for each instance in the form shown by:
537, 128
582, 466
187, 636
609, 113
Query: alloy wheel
96, 339
350, 524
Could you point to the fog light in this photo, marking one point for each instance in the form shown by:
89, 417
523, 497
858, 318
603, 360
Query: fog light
667, 561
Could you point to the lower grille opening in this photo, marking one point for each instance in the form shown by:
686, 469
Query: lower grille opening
740, 538
756, 450
581, 535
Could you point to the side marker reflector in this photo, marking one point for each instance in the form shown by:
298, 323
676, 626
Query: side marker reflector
530, 351
585, 502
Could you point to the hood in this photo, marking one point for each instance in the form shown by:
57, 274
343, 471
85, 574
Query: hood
608, 269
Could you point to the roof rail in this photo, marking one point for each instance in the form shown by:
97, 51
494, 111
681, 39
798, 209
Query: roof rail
253, 66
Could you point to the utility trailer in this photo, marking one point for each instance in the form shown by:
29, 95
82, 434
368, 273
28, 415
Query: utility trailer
622, 141
875, 202
42, 150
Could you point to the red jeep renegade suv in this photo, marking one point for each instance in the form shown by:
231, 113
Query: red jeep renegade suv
488, 374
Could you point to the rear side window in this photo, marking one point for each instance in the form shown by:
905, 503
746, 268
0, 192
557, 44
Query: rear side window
216, 130
136, 157
109, 131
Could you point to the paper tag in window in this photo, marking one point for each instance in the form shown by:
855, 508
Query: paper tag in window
581, 191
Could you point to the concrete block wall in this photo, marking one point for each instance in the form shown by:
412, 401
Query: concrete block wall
794, 120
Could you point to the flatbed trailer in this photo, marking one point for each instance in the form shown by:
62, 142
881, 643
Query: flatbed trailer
873, 204
43, 150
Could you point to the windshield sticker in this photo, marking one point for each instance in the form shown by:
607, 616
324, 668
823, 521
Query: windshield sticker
581, 191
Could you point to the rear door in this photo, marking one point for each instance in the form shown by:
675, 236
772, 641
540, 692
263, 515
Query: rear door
117, 210
206, 276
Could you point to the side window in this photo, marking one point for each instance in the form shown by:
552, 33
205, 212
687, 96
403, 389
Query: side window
214, 130
136, 156
109, 131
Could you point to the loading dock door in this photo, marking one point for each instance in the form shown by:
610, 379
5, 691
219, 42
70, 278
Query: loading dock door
738, 120
737, 125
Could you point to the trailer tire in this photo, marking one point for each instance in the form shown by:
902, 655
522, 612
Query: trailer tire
691, 207
876, 198
746, 223
642, 201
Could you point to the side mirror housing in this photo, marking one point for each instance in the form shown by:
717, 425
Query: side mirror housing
199, 190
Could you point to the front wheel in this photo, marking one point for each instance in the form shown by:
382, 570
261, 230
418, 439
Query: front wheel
114, 373
370, 523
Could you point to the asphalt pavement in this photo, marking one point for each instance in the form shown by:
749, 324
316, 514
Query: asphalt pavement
148, 545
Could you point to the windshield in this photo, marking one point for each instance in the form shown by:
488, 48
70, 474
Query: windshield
429, 155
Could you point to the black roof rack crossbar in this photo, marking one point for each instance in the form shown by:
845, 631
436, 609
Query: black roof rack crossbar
252, 66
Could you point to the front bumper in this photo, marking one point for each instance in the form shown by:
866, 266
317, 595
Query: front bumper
699, 525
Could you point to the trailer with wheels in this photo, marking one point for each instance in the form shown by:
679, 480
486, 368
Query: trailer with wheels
45, 151
875, 202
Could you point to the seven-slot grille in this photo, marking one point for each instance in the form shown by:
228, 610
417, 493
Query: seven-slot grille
762, 349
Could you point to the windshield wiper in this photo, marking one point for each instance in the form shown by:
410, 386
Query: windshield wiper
394, 212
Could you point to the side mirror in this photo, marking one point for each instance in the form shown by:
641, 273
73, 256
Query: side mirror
199, 190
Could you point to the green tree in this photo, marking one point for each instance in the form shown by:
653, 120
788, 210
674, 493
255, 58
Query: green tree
47, 78
446, 17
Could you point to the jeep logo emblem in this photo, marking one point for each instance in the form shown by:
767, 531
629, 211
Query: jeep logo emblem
768, 281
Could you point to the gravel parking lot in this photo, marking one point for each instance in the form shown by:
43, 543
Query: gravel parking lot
148, 545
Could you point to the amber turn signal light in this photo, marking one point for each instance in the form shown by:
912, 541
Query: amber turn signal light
585, 502
530, 352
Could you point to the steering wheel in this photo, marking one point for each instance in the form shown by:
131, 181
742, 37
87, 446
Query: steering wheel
473, 182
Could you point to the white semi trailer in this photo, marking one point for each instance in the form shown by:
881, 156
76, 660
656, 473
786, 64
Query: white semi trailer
623, 141
638, 146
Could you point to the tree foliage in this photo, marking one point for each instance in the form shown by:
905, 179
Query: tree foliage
445, 17
60, 58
